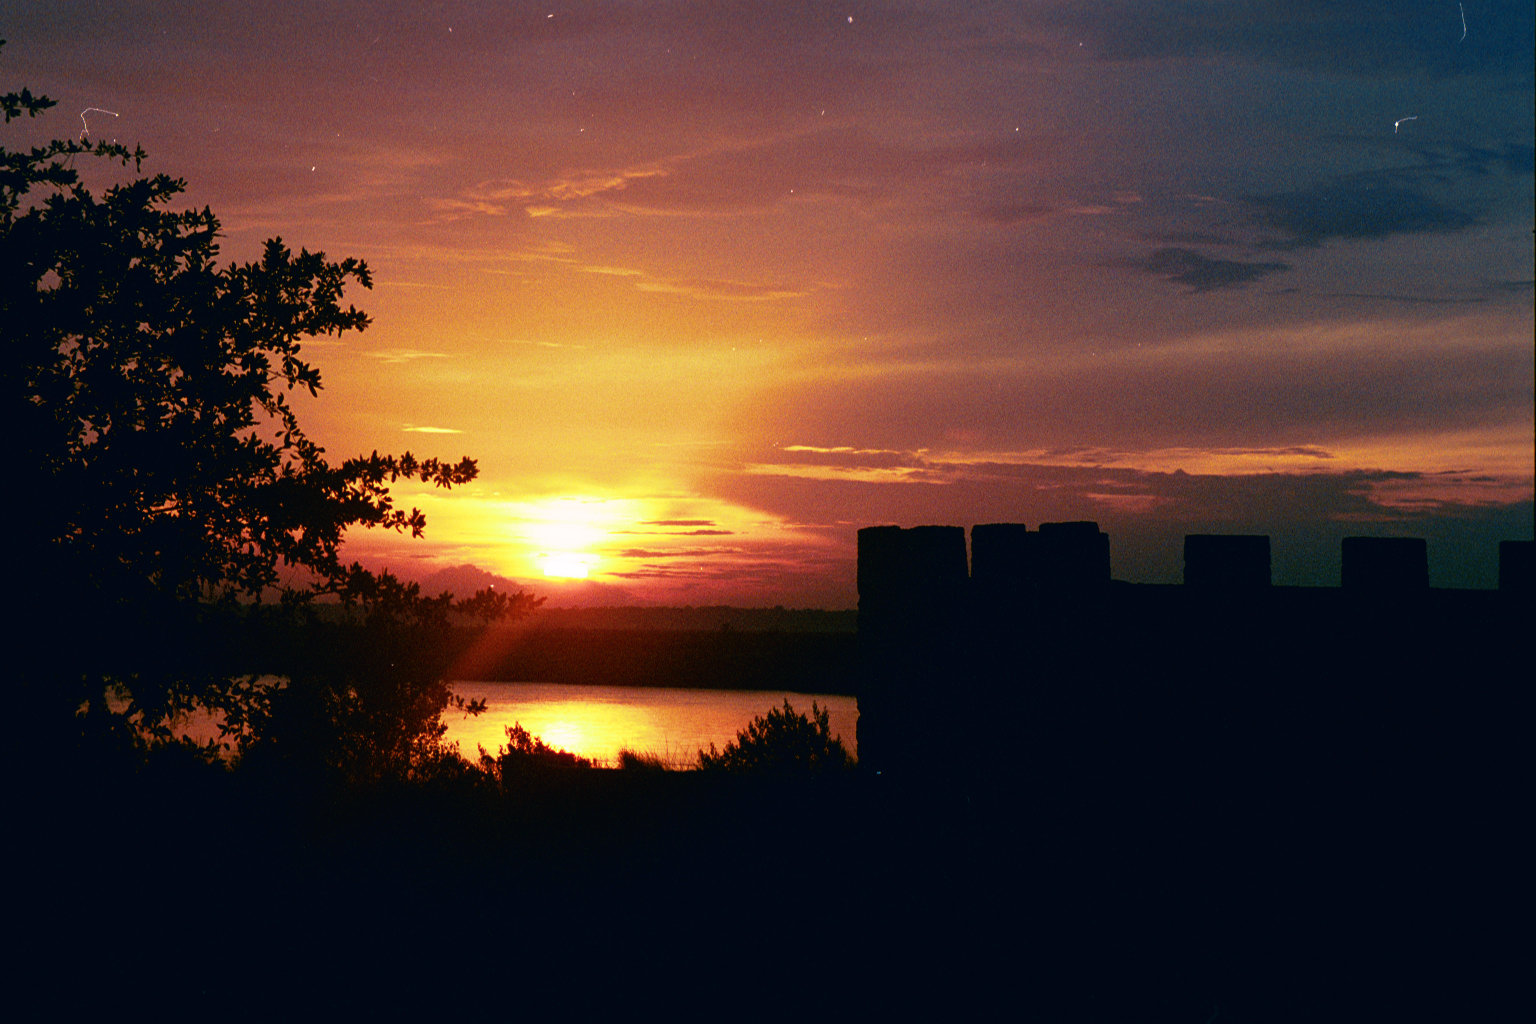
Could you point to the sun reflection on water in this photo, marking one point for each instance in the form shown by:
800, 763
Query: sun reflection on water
598, 721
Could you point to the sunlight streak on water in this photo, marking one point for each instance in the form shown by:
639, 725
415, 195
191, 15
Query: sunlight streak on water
597, 721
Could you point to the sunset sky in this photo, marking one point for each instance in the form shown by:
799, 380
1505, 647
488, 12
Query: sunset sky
707, 286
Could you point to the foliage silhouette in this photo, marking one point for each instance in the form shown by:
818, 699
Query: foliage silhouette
169, 486
781, 742
527, 756
641, 761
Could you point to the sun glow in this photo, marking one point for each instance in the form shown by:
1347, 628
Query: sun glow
566, 734
661, 545
564, 566
564, 535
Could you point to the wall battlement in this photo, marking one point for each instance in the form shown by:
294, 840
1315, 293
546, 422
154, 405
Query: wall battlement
1031, 628
1007, 560
1226, 561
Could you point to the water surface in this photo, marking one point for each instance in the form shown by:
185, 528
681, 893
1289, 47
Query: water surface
597, 721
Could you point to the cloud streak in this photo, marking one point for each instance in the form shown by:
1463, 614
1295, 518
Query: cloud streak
1307, 218
1204, 273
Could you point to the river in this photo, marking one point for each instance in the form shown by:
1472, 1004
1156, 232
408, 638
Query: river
597, 721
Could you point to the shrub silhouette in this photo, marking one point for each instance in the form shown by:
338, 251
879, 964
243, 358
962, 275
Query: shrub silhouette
781, 742
526, 756
641, 761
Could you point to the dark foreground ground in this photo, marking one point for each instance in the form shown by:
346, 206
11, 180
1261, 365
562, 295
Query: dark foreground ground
688, 896
1202, 812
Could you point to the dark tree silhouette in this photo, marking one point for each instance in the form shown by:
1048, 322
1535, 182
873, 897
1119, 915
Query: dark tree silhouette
165, 482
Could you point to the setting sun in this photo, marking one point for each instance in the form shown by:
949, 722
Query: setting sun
565, 534
565, 566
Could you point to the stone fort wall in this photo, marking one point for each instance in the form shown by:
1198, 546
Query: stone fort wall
1020, 646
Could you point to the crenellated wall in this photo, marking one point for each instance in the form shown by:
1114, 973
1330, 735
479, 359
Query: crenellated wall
1027, 653
1010, 563
1517, 566
1226, 561
1386, 565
